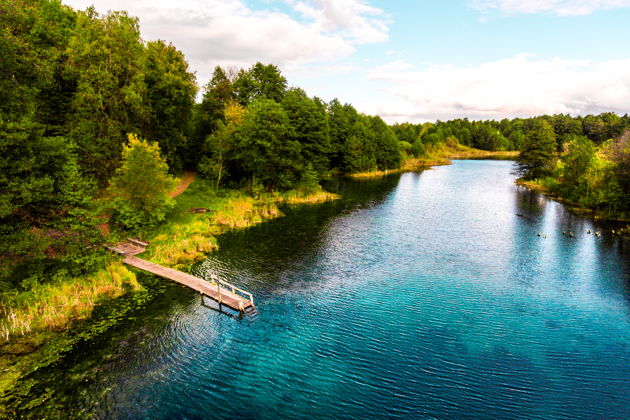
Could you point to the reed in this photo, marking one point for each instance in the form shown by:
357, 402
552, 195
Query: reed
244, 211
183, 243
54, 305
306, 197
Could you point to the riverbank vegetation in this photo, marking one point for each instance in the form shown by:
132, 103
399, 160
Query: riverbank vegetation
586, 168
95, 124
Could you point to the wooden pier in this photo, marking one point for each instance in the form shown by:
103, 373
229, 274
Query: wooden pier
222, 292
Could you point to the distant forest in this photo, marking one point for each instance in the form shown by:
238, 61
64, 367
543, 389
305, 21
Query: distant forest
76, 85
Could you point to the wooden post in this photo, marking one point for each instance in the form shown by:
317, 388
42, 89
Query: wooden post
240, 306
219, 297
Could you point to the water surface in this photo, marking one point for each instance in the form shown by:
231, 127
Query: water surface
425, 295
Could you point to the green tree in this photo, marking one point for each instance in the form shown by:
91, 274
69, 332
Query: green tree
387, 148
576, 162
140, 187
341, 122
260, 82
310, 128
219, 146
217, 94
539, 149
619, 152
359, 152
170, 93
265, 149
105, 60
417, 148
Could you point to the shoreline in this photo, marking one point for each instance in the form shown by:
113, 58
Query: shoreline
440, 157
573, 207
47, 333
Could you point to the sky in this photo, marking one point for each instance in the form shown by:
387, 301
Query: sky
412, 60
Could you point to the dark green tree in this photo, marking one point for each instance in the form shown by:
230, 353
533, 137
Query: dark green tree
341, 121
170, 94
387, 148
260, 81
105, 59
310, 128
264, 147
539, 149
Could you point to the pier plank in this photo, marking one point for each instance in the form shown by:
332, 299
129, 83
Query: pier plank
211, 289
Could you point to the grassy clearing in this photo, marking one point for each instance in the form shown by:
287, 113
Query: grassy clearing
55, 305
203, 212
436, 155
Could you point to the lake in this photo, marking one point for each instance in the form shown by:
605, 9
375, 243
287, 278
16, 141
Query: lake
417, 295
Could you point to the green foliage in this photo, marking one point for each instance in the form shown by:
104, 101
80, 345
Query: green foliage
576, 162
140, 187
310, 128
417, 149
219, 146
387, 148
170, 92
341, 120
264, 146
539, 149
260, 82
594, 177
105, 60
218, 93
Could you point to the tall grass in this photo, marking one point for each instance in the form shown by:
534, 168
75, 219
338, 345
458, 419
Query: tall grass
306, 197
55, 305
245, 211
182, 243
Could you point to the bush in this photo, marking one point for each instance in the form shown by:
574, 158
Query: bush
140, 187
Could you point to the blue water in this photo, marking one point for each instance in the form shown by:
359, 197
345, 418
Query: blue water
422, 295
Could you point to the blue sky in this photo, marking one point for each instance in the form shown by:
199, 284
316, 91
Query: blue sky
413, 60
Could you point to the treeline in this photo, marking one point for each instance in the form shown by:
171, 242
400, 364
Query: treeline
511, 134
72, 86
250, 128
584, 159
75, 85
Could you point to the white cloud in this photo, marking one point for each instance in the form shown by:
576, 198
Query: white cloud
557, 7
353, 18
514, 87
229, 33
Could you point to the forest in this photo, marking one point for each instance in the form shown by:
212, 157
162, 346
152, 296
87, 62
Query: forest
95, 122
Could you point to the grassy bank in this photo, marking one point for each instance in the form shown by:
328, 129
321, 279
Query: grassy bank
437, 155
200, 214
203, 212
37, 325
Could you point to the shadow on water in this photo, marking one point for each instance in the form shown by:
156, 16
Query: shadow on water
272, 250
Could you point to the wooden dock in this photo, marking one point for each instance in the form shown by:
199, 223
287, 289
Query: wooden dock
222, 292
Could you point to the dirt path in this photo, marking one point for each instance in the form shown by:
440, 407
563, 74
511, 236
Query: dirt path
187, 179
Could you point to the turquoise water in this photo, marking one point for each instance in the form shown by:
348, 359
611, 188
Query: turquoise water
420, 295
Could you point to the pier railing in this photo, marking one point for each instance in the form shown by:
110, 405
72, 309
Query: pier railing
235, 290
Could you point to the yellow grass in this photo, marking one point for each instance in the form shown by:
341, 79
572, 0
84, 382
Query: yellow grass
244, 211
183, 243
55, 305
299, 197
